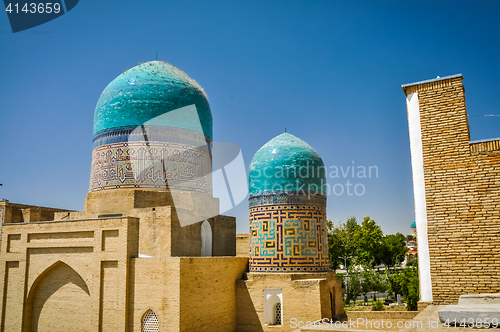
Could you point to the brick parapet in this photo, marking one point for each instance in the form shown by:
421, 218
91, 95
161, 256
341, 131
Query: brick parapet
485, 146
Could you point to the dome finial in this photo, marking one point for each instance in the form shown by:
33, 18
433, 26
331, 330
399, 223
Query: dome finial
285, 129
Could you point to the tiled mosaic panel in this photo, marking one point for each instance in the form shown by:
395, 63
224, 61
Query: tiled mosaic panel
288, 238
151, 165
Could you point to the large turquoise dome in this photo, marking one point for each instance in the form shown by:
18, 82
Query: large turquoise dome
147, 91
286, 164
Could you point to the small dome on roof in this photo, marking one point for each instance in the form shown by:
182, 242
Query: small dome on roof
286, 164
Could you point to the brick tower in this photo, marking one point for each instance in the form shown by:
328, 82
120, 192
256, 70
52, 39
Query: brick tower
457, 194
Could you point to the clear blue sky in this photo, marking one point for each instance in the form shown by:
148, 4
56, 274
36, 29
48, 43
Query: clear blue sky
329, 71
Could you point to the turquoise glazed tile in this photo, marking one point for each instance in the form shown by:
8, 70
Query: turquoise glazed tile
147, 91
286, 164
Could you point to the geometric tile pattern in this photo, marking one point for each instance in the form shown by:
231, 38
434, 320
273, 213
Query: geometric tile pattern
151, 165
288, 238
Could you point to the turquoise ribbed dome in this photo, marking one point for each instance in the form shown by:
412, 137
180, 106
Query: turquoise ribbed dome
413, 224
148, 90
286, 164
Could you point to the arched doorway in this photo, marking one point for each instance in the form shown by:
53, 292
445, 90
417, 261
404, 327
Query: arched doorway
206, 239
59, 301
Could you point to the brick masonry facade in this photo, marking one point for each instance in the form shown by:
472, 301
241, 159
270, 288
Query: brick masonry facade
462, 194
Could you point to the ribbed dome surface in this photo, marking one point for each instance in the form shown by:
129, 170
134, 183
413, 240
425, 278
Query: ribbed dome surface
286, 164
147, 91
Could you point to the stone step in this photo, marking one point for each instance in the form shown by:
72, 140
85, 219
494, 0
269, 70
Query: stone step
479, 299
456, 313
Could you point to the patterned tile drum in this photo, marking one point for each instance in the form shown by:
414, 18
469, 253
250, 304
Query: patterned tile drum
288, 238
151, 165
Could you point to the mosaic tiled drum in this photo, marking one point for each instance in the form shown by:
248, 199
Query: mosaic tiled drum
152, 130
287, 181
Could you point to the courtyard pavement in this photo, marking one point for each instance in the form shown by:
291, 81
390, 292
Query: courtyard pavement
425, 321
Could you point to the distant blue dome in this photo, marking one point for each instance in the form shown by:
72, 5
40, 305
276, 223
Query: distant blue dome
413, 224
286, 164
146, 91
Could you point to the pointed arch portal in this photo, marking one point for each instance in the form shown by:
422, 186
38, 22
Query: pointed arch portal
59, 300
206, 239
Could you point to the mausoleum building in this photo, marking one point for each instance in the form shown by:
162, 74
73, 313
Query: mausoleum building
151, 252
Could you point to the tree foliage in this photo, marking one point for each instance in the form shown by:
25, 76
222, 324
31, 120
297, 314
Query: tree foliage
365, 246
341, 242
353, 285
409, 285
368, 240
393, 250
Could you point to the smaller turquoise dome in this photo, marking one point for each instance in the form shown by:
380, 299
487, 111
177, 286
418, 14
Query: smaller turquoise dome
413, 224
147, 91
286, 164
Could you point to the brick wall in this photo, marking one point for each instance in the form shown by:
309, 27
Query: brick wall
306, 297
66, 275
15, 213
462, 192
186, 293
243, 245
208, 292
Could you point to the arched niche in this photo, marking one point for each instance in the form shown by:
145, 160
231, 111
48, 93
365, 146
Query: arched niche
273, 306
206, 239
58, 301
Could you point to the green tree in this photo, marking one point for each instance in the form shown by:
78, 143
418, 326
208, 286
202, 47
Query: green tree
368, 241
368, 279
353, 285
341, 242
393, 250
372, 281
409, 283
380, 282
394, 283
